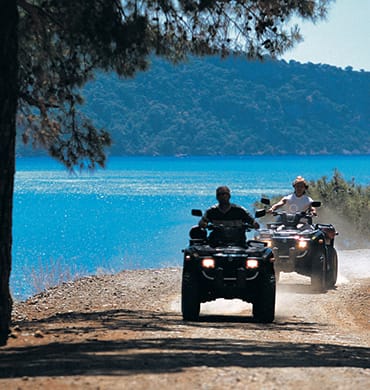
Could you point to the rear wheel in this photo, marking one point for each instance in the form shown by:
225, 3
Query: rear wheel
190, 299
318, 272
264, 304
332, 273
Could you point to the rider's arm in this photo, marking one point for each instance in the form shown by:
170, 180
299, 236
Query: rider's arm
204, 220
250, 220
256, 225
277, 205
311, 209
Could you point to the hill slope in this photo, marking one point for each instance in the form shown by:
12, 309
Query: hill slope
234, 107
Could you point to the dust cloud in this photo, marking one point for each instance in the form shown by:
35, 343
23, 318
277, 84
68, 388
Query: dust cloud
348, 236
225, 306
352, 264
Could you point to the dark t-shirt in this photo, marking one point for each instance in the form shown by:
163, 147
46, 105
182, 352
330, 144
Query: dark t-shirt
235, 215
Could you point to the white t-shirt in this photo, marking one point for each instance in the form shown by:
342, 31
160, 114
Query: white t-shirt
294, 204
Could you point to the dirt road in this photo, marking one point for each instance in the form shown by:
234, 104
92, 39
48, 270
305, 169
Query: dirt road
125, 332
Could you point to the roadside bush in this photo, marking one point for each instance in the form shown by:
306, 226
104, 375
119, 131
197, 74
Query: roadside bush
346, 201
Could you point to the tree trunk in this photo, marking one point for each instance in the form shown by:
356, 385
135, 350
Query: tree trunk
8, 110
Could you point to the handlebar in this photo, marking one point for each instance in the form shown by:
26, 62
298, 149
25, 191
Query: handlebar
212, 226
301, 214
293, 219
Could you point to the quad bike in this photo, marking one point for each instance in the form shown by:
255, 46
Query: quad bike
300, 246
220, 263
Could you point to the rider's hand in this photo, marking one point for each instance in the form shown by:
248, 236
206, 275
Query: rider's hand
203, 223
256, 225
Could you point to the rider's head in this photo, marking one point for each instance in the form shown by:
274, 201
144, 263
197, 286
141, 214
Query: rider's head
300, 185
223, 194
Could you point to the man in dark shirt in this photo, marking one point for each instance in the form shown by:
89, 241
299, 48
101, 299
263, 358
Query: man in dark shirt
226, 213
228, 220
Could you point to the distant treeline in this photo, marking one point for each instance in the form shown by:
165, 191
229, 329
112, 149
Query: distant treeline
211, 106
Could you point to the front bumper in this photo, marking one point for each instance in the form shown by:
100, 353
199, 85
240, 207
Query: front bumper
222, 278
287, 257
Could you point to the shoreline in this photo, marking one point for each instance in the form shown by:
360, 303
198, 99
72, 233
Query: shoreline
353, 264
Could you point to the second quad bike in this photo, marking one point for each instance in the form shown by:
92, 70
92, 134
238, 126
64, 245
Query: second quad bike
300, 246
220, 263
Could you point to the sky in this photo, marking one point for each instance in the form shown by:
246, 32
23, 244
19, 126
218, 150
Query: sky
342, 40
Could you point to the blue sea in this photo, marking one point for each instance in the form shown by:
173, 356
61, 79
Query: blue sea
136, 213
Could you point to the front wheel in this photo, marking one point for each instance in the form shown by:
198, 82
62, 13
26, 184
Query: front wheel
318, 272
264, 304
190, 299
332, 273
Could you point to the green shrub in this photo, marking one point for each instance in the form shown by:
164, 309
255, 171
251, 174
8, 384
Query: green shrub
345, 200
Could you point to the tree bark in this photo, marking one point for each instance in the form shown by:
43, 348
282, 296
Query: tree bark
8, 110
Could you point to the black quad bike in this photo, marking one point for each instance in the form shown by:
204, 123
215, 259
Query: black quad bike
220, 263
300, 246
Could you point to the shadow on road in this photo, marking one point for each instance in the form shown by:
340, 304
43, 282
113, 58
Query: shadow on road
162, 347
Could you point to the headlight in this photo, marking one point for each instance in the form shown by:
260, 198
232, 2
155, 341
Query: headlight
208, 262
251, 263
268, 243
302, 244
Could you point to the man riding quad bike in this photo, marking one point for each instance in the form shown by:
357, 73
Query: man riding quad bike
220, 263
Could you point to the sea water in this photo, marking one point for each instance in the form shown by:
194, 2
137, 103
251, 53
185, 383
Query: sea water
136, 213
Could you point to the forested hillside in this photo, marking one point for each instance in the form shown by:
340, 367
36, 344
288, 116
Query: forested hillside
233, 107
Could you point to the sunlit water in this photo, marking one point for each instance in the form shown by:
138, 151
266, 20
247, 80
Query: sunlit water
136, 213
